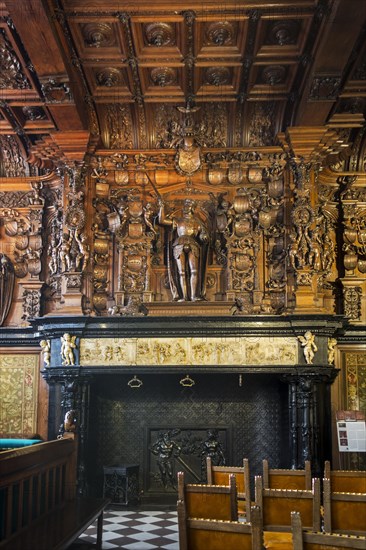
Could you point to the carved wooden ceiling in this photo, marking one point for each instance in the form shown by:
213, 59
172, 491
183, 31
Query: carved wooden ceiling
81, 75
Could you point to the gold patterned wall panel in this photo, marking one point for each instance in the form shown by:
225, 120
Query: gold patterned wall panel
18, 394
355, 381
188, 351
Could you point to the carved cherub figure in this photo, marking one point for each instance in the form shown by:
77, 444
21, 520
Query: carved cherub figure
46, 348
70, 421
309, 345
68, 344
332, 342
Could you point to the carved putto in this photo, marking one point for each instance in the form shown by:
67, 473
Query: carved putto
68, 344
46, 349
310, 348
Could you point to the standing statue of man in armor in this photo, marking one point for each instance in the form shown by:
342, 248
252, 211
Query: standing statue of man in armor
187, 253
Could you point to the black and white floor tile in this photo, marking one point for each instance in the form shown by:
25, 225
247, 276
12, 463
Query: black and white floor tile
136, 530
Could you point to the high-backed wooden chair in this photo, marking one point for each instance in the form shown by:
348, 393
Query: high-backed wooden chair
209, 501
210, 534
278, 478
277, 504
344, 512
345, 481
219, 475
305, 540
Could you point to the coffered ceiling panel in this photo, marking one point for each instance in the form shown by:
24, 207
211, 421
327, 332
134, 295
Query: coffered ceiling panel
117, 70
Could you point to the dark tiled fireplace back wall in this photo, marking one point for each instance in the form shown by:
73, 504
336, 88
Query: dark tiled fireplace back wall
251, 420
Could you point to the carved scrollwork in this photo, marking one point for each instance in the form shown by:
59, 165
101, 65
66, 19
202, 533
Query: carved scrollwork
31, 304
352, 302
12, 163
12, 75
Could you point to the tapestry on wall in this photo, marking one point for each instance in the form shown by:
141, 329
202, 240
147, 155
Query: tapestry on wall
356, 381
18, 394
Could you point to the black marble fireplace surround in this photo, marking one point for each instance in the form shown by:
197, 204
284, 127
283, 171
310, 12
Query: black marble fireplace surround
275, 411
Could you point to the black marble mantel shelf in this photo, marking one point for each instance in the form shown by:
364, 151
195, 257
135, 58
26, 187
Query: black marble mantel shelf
144, 326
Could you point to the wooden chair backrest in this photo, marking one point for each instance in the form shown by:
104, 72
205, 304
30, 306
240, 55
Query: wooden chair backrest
210, 534
209, 501
345, 481
34, 481
277, 504
278, 478
219, 475
344, 512
305, 540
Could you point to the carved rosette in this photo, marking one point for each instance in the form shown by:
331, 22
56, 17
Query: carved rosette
163, 76
109, 77
159, 34
220, 33
217, 76
98, 35
283, 32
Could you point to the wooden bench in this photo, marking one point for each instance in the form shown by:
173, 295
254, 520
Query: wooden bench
210, 534
38, 506
345, 481
344, 512
276, 506
209, 501
219, 475
278, 478
306, 540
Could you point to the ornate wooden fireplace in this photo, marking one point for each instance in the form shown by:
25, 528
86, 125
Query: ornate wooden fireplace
164, 392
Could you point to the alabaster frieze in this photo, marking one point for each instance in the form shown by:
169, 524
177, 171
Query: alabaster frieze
188, 351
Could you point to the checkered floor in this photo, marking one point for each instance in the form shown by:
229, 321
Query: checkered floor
135, 530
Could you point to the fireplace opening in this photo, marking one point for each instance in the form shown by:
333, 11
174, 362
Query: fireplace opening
165, 426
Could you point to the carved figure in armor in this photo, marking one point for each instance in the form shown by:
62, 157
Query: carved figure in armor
188, 255
212, 447
166, 450
67, 346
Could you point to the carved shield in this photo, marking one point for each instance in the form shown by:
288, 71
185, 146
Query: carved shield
135, 208
135, 263
135, 230
243, 262
215, 176
188, 161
